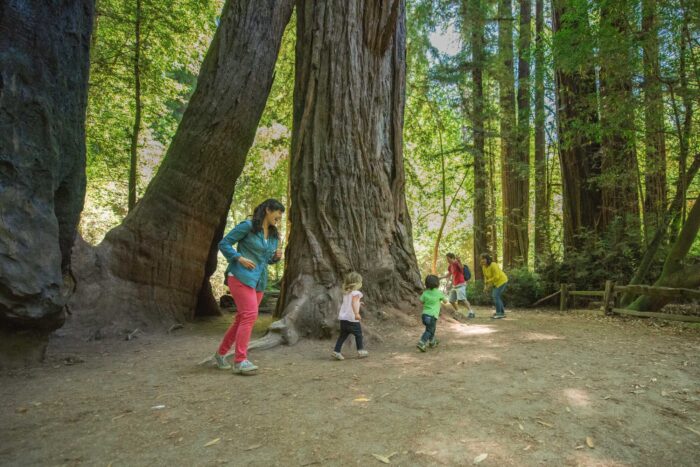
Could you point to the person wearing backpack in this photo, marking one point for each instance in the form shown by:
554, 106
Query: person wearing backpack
458, 275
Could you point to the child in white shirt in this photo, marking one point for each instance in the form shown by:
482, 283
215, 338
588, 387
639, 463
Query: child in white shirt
349, 315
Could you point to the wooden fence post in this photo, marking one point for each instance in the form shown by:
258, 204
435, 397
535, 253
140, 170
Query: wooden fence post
608, 297
564, 297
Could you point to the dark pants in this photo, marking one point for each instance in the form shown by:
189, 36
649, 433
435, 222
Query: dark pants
347, 328
430, 325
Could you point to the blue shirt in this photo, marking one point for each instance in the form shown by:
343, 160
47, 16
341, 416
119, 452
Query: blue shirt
252, 246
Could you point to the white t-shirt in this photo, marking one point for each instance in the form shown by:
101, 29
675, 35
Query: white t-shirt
346, 313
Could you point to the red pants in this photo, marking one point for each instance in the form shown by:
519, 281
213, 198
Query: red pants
247, 300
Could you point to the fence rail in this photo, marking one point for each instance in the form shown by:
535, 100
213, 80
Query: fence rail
609, 296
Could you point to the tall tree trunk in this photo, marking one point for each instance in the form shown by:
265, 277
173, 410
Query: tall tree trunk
619, 162
133, 162
654, 128
523, 145
473, 16
541, 182
577, 121
676, 273
348, 210
511, 170
153, 266
43, 96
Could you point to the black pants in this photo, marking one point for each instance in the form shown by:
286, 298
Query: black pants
347, 328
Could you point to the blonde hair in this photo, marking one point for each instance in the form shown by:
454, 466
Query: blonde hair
352, 281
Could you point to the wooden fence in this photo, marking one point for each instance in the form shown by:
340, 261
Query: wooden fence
609, 297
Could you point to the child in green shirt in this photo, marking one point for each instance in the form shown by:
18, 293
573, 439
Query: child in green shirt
432, 298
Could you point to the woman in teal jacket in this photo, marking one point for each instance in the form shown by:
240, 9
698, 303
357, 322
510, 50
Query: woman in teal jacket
257, 242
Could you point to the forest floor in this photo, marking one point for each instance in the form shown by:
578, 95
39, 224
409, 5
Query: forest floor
538, 388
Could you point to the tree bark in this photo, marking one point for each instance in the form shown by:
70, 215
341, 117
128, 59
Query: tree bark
44, 64
654, 128
473, 16
155, 264
619, 156
511, 169
523, 142
541, 181
133, 161
676, 273
577, 121
348, 210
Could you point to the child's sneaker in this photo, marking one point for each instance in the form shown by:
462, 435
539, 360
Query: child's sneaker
338, 356
498, 316
245, 367
221, 361
362, 354
471, 315
433, 343
421, 346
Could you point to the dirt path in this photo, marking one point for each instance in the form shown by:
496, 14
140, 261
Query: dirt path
528, 390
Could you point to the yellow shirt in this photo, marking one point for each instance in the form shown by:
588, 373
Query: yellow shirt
493, 275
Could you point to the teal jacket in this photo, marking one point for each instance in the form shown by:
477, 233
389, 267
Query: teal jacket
252, 246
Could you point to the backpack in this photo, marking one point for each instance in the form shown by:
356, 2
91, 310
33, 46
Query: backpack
467, 273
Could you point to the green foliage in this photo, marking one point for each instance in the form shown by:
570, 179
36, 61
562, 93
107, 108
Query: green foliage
175, 36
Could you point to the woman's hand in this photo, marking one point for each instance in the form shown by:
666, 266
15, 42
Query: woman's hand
278, 254
246, 263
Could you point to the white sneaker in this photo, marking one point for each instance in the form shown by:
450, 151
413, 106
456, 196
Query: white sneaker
362, 354
338, 356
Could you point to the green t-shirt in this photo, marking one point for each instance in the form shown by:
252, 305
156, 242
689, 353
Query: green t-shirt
431, 299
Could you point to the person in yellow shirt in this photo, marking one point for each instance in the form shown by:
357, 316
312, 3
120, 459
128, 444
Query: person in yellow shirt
496, 278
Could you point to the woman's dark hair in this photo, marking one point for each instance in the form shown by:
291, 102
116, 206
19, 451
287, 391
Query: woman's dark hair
260, 212
451, 255
487, 257
432, 282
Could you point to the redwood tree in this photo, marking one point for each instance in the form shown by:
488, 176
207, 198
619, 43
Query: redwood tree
541, 226
348, 210
577, 120
43, 97
155, 265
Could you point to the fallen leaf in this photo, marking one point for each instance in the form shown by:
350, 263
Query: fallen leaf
692, 430
255, 446
522, 428
589, 442
574, 374
527, 448
158, 407
580, 446
548, 425
212, 442
361, 399
381, 458
480, 458
664, 394
21, 410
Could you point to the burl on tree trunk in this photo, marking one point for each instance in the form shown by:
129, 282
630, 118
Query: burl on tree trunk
348, 209
154, 266
44, 64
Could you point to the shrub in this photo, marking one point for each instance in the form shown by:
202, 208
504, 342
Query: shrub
524, 288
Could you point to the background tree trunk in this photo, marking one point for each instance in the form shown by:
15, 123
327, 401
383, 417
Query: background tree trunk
541, 182
522, 152
577, 121
619, 156
510, 165
348, 210
44, 64
474, 16
655, 142
134, 153
153, 266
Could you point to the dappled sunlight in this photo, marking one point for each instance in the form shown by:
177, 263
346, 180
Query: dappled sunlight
471, 330
405, 358
538, 336
577, 397
446, 448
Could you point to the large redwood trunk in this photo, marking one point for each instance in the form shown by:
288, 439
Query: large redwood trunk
153, 266
44, 64
620, 215
348, 210
577, 120
541, 226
